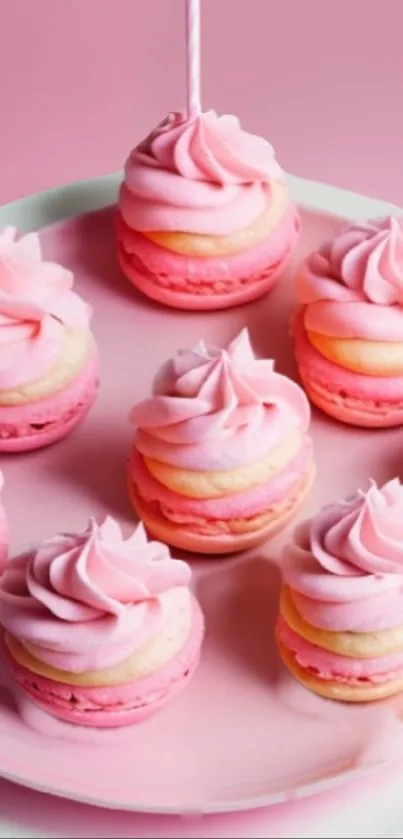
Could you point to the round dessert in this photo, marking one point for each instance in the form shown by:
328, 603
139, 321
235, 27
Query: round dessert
205, 217
349, 329
221, 458
340, 627
97, 630
48, 359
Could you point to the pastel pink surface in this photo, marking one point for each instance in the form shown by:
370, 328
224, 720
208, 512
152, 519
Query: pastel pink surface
275, 739
303, 99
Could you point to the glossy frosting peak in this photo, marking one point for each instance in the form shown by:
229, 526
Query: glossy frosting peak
79, 591
206, 395
347, 563
204, 175
209, 148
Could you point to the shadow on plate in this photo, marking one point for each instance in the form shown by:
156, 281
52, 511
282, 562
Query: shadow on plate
240, 603
96, 466
7, 699
87, 244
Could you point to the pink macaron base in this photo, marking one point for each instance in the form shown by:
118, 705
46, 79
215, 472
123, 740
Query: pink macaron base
183, 272
186, 539
41, 423
119, 705
344, 395
240, 505
237, 279
196, 302
333, 667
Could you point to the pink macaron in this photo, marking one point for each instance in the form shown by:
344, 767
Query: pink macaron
97, 630
347, 396
205, 218
47, 420
348, 330
48, 358
340, 627
114, 705
221, 458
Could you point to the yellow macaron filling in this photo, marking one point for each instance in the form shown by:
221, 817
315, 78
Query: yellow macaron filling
234, 526
197, 244
352, 644
340, 691
374, 358
76, 349
231, 481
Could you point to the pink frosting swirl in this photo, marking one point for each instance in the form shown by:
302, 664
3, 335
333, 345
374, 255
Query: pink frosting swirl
353, 286
204, 175
36, 305
206, 396
80, 592
346, 565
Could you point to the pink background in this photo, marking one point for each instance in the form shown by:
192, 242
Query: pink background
82, 80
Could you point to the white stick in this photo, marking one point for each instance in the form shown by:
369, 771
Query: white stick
193, 57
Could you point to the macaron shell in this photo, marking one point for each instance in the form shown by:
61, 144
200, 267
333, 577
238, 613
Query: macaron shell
184, 272
250, 275
333, 667
41, 423
352, 644
360, 415
210, 300
350, 397
245, 505
118, 705
337, 690
185, 539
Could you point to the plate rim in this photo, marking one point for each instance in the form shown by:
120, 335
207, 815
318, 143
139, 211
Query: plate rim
310, 789
78, 197
52, 205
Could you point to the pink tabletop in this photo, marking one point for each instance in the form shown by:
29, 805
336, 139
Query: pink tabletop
81, 81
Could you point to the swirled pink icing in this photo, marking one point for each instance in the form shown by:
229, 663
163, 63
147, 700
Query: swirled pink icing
353, 286
36, 305
89, 597
345, 566
204, 175
206, 398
